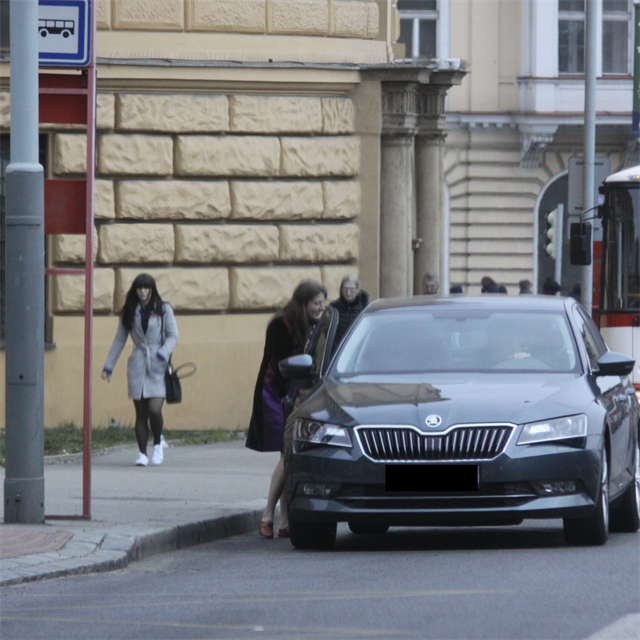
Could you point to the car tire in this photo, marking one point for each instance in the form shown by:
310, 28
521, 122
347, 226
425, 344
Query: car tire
312, 535
363, 528
625, 515
594, 529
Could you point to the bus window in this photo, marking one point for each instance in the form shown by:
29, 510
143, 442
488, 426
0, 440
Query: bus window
621, 251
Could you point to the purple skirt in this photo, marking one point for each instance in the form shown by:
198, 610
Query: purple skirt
274, 416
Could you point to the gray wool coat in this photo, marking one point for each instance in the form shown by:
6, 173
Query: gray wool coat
145, 371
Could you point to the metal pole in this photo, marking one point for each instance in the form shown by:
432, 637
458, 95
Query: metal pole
558, 241
589, 136
88, 287
635, 126
24, 328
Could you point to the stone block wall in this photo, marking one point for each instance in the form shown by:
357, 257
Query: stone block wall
333, 18
228, 200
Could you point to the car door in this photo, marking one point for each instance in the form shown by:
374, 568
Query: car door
613, 397
319, 345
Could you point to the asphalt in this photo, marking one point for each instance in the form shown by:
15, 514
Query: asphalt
198, 494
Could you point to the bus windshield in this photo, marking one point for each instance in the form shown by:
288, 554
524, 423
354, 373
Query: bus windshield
621, 250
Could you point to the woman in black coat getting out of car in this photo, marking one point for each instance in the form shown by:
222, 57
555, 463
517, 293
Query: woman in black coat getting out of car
349, 305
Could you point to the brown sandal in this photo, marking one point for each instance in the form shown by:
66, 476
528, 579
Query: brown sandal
265, 528
283, 532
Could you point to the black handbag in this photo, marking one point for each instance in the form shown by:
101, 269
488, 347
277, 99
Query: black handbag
172, 383
171, 378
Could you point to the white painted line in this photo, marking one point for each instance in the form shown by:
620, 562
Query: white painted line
627, 628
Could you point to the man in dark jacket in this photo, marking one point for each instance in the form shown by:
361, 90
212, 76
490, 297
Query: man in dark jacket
349, 305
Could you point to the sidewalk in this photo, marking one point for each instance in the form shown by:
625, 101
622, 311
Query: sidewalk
198, 494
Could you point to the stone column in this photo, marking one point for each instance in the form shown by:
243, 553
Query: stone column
397, 189
429, 182
411, 181
429, 207
396, 202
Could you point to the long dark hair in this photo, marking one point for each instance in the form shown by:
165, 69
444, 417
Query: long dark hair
144, 280
295, 311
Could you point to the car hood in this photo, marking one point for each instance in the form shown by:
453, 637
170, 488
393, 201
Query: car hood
484, 398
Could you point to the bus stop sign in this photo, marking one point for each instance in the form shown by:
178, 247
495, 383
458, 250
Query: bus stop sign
64, 33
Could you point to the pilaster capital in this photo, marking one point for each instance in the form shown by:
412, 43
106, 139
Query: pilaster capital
411, 108
399, 108
430, 138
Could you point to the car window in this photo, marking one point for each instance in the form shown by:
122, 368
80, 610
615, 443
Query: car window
417, 340
593, 341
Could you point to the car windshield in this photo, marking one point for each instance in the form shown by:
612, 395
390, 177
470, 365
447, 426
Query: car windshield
431, 339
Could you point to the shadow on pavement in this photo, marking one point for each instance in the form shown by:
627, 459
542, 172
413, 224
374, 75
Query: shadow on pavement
449, 539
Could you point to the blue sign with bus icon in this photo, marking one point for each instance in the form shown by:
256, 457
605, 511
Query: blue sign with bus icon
64, 30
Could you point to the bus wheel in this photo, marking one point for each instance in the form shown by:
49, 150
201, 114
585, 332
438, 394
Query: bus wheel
43, 33
66, 34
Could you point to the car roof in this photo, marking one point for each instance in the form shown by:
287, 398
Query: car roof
487, 301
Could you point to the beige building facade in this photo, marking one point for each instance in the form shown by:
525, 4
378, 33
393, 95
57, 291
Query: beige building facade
516, 121
242, 146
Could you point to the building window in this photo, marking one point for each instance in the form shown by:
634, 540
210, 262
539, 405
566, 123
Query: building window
616, 31
4, 161
616, 34
571, 28
419, 27
5, 148
4, 25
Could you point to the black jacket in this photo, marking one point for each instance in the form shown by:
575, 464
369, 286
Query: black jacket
347, 313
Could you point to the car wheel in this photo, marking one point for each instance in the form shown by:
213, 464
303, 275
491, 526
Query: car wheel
364, 528
312, 535
625, 515
594, 529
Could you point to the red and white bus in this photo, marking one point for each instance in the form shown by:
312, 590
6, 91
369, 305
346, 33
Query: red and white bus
619, 295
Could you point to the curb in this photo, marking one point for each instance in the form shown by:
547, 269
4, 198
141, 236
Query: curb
98, 553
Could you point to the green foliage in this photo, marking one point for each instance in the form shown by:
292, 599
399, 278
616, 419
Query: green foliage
67, 438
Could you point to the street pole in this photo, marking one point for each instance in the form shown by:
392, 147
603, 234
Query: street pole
24, 322
558, 240
635, 125
589, 136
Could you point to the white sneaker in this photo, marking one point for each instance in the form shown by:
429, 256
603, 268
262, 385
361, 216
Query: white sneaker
142, 460
163, 442
158, 455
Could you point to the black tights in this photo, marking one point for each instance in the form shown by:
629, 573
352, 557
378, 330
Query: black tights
148, 414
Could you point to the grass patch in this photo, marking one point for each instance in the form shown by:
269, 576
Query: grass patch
67, 438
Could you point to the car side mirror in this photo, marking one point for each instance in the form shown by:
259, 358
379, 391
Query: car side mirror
296, 367
580, 243
615, 364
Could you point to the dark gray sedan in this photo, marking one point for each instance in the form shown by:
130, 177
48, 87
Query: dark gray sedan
463, 411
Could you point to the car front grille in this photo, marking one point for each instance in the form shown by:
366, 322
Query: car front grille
490, 496
406, 444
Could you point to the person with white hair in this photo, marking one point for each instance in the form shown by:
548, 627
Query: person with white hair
351, 303
430, 284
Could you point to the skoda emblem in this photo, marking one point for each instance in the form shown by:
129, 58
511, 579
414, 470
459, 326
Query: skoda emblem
433, 421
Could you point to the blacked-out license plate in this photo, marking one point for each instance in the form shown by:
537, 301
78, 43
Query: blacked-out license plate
432, 477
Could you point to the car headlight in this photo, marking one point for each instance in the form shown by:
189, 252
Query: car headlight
557, 429
309, 433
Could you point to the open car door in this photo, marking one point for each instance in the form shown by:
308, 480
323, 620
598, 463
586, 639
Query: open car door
320, 344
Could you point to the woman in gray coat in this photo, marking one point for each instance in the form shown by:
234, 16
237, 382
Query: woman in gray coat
153, 330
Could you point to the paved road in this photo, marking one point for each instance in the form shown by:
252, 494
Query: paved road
521, 582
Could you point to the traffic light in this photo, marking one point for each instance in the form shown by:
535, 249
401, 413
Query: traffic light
551, 232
